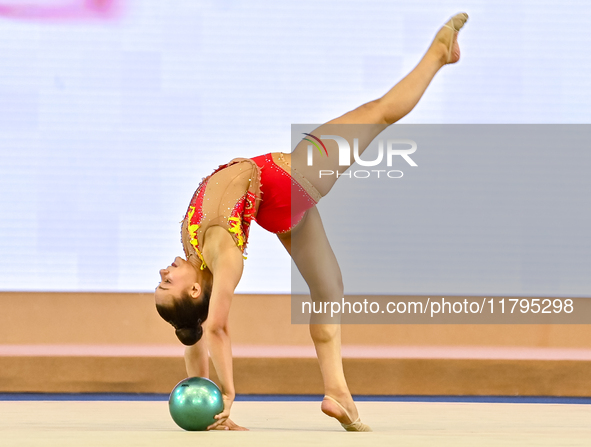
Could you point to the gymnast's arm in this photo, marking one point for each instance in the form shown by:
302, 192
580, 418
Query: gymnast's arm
226, 264
197, 359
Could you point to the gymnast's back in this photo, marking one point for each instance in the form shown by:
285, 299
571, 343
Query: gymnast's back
227, 198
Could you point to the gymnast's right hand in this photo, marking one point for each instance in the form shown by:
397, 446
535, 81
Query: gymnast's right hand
223, 421
228, 424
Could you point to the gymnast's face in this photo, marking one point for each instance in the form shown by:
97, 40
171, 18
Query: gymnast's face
175, 279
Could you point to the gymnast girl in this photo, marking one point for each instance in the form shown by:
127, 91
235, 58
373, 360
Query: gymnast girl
195, 292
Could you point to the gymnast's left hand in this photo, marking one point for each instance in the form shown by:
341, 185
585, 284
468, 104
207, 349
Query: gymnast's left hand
223, 421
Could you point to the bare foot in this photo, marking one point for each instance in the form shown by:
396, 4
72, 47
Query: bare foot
446, 41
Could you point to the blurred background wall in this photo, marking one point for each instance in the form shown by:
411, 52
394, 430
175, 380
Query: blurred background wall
111, 112
109, 118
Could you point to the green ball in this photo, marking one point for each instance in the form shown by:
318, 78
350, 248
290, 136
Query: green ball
194, 402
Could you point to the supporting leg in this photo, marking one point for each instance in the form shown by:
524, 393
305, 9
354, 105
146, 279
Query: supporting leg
317, 263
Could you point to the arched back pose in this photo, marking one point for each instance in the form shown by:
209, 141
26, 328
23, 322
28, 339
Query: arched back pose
215, 231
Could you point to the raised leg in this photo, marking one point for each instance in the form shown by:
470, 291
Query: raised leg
312, 254
378, 114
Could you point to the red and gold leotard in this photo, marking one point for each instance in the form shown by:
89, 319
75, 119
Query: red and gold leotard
286, 194
264, 189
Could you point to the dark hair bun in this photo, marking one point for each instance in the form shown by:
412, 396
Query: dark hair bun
189, 336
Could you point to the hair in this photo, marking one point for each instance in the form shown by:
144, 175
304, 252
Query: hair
187, 314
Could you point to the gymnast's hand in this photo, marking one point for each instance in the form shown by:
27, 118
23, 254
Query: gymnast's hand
223, 421
228, 424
